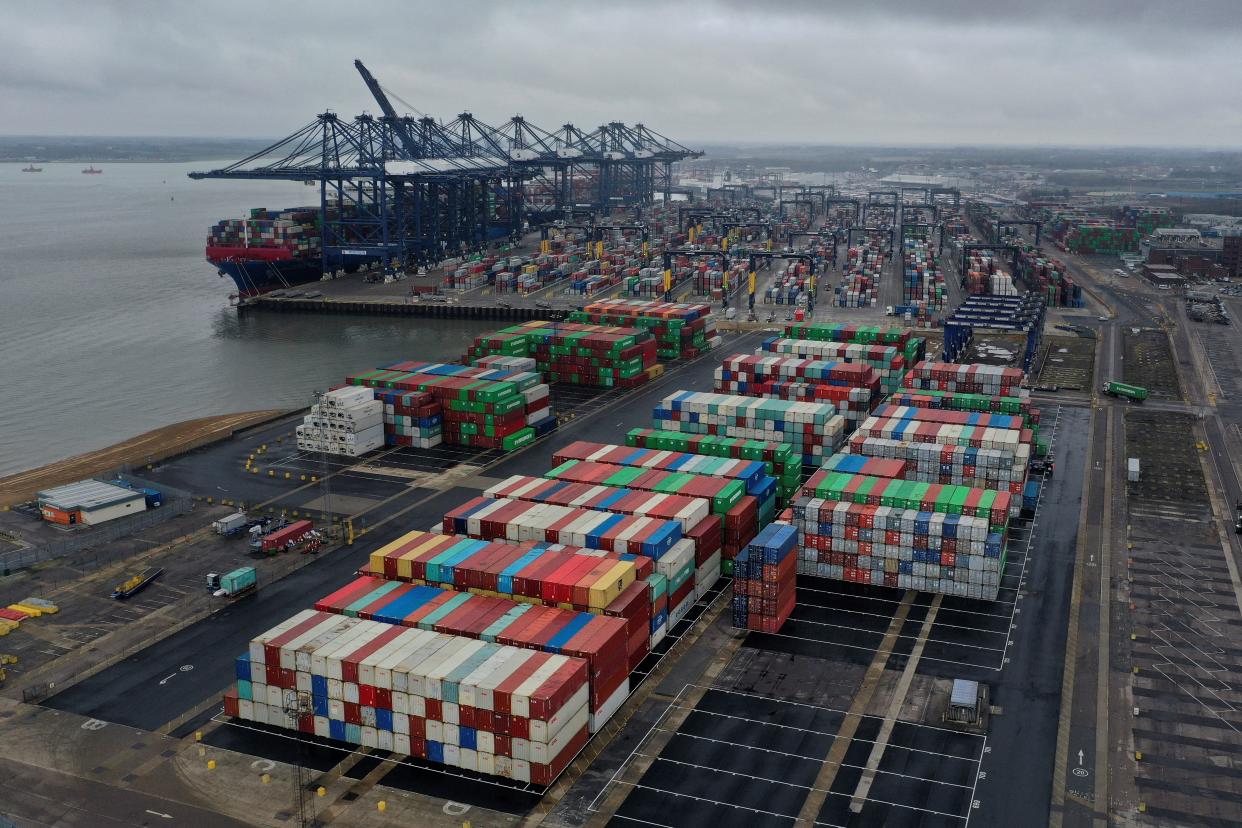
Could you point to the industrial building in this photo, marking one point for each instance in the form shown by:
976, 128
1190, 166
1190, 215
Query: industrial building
90, 502
1163, 275
1231, 255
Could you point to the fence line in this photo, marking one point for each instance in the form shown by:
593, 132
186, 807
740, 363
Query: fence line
16, 559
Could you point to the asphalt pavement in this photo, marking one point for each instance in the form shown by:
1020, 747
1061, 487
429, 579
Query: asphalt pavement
38, 796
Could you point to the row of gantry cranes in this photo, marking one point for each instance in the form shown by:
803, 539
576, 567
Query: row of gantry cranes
400, 189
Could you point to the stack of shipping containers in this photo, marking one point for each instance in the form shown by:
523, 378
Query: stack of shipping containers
854, 389
779, 459
922, 496
498, 642
348, 421
922, 283
480, 406
863, 267
682, 331
887, 360
815, 430
575, 353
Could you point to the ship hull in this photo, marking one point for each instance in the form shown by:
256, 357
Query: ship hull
254, 277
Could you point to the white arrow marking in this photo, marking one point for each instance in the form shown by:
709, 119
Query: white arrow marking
158, 814
1080, 757
164, 680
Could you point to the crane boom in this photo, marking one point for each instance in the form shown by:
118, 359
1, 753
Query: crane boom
399, 125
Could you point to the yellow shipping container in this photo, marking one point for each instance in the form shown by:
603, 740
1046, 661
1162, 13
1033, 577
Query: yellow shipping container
604, 591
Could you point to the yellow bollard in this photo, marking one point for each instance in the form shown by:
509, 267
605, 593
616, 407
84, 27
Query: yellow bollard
321, 791
288, 475
1138, 756
266, 778
198, 735
382, 805
314, 479
303, 478
271, 472
1135, 670
1142, 807
209, 500
211, 764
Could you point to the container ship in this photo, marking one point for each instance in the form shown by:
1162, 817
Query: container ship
269, 250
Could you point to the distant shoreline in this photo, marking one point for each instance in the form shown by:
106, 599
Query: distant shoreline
148, 447
95, 160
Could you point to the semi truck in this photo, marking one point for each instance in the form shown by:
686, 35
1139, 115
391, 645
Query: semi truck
230, 525
290, 537
232, 584
1134, 393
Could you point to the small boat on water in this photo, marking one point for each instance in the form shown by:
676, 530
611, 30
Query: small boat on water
32, 168
137, 583
91, 170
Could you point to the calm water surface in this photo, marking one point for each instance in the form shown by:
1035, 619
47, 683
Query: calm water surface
112, 323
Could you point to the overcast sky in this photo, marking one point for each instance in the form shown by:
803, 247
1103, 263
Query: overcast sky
1127, 72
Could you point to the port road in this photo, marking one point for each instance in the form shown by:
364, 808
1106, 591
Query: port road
1147, 713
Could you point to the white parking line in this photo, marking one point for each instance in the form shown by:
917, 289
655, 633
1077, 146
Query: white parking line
881, 633
864, 648
807, 788
818, 758
890, 615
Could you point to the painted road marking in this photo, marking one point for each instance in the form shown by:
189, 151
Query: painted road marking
158, 814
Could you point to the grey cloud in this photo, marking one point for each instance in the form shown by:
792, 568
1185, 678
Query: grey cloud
801, 71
